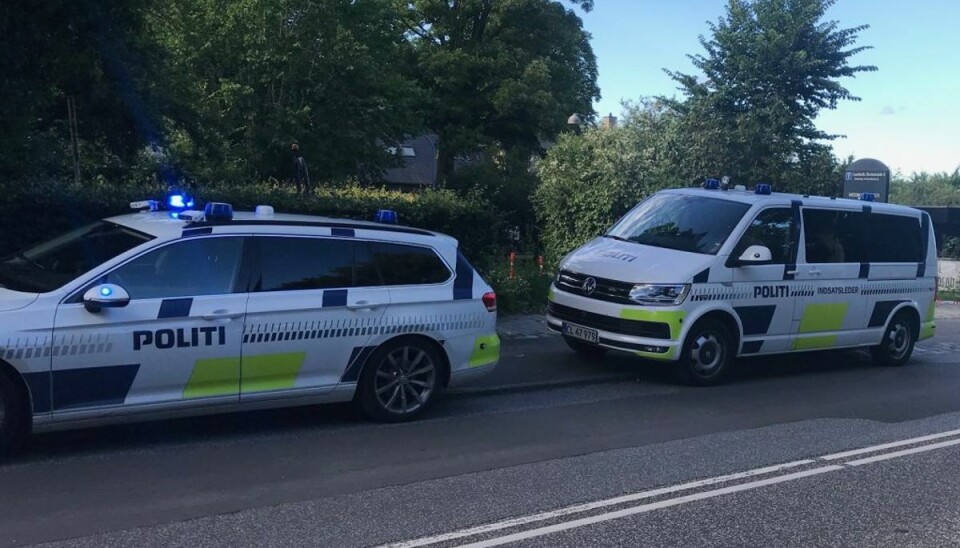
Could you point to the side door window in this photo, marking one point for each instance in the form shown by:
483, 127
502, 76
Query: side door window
178, 338
307, 319
765, 297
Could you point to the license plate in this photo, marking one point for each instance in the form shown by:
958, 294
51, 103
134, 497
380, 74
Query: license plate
580, 332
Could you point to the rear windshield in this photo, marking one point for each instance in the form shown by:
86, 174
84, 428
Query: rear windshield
677, 221
54, 263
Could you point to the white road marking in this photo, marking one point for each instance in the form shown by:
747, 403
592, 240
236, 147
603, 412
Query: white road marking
633, 497
905, 452
586, 507
901, 443
550, 529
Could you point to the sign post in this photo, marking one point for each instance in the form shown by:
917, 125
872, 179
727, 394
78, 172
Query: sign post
867, 175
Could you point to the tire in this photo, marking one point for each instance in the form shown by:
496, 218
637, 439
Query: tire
15, 418
707, 354
400, 380
585, 349
898, 341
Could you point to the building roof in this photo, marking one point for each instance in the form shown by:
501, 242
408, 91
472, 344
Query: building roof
419, 155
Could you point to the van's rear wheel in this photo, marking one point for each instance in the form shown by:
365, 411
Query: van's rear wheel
585, 349
707, 354
898, 342
15, 419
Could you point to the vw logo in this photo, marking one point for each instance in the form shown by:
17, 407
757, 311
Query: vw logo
589, 286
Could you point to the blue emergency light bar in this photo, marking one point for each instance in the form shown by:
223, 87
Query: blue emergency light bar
712, 184
218, 211
868, 196
386, 216
763, 189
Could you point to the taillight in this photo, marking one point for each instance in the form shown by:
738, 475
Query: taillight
490, 301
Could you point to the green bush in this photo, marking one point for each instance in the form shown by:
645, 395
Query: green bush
42, 209
526, 292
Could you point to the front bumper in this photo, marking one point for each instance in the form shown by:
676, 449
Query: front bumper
646, 332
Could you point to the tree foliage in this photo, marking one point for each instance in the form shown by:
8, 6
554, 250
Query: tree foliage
769, 67
503, 74
927, 189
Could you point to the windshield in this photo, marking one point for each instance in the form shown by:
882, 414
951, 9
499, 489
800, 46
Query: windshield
53, 263
676, 221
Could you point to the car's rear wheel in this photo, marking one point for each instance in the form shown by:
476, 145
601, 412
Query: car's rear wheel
400, 380
898, 342
585, 349
707, 354
15, 420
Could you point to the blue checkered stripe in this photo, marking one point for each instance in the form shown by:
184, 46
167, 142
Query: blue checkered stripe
25, 348
359, 327
895, 289
719, 293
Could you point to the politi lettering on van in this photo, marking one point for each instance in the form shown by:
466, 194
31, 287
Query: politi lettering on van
771, 291
164, 339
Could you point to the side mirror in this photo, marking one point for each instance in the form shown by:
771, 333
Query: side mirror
105, 296
754, 255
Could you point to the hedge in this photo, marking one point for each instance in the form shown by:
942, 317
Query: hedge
42, 209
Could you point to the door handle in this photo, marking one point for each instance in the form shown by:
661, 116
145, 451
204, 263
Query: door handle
791, 272
816, 271
362, 305
221, 315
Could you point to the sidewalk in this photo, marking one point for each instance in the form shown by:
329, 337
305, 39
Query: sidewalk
534, 326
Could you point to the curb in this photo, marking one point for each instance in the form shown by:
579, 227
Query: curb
536, 386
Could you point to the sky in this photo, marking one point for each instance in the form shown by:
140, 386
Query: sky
909, 117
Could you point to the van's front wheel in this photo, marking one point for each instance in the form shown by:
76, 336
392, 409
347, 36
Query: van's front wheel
707, 354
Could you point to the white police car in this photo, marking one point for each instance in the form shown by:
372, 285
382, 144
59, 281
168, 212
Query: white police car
156, 312
700, 276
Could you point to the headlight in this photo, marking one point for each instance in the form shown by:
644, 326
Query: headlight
659, 294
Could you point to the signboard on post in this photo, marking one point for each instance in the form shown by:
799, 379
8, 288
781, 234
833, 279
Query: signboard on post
867, 175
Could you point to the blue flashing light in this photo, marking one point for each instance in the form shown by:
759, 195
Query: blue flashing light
217, 211
868, 196
387, 216
106, 291
178, 201
763, 189
711, 184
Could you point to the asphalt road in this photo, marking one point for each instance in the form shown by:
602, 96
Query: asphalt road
546, 432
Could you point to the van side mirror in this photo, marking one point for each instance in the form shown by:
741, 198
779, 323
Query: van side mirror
755, 255
105, 296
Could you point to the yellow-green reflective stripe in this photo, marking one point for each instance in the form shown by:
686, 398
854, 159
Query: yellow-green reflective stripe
270, 371
816, 341
931, 310
674, 318
550, 296
823, 317
927, 330
486, 350
213, 377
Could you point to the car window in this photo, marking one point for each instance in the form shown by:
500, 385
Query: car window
408, 264
51, 264
772, 229
289, 264
834, 236
894, 239
675, 221
188, 268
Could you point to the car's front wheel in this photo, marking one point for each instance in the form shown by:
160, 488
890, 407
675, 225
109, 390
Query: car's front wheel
15, 420
707, 355
400, 380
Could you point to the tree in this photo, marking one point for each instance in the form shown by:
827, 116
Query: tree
770, 66
253, 76
503, 74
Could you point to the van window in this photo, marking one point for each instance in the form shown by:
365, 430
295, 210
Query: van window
894, 239
834, 236
771, 228
676, 221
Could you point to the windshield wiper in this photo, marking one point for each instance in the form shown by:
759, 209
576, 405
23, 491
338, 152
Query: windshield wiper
22, 256
619, 238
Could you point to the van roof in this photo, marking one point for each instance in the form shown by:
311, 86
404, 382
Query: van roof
783, 198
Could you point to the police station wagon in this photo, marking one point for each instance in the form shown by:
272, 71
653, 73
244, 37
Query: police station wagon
159, 311
700, 276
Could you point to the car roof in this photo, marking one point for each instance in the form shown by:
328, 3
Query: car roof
783, 198
165, 224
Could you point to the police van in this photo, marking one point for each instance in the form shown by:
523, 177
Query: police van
701, 276
161, 313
